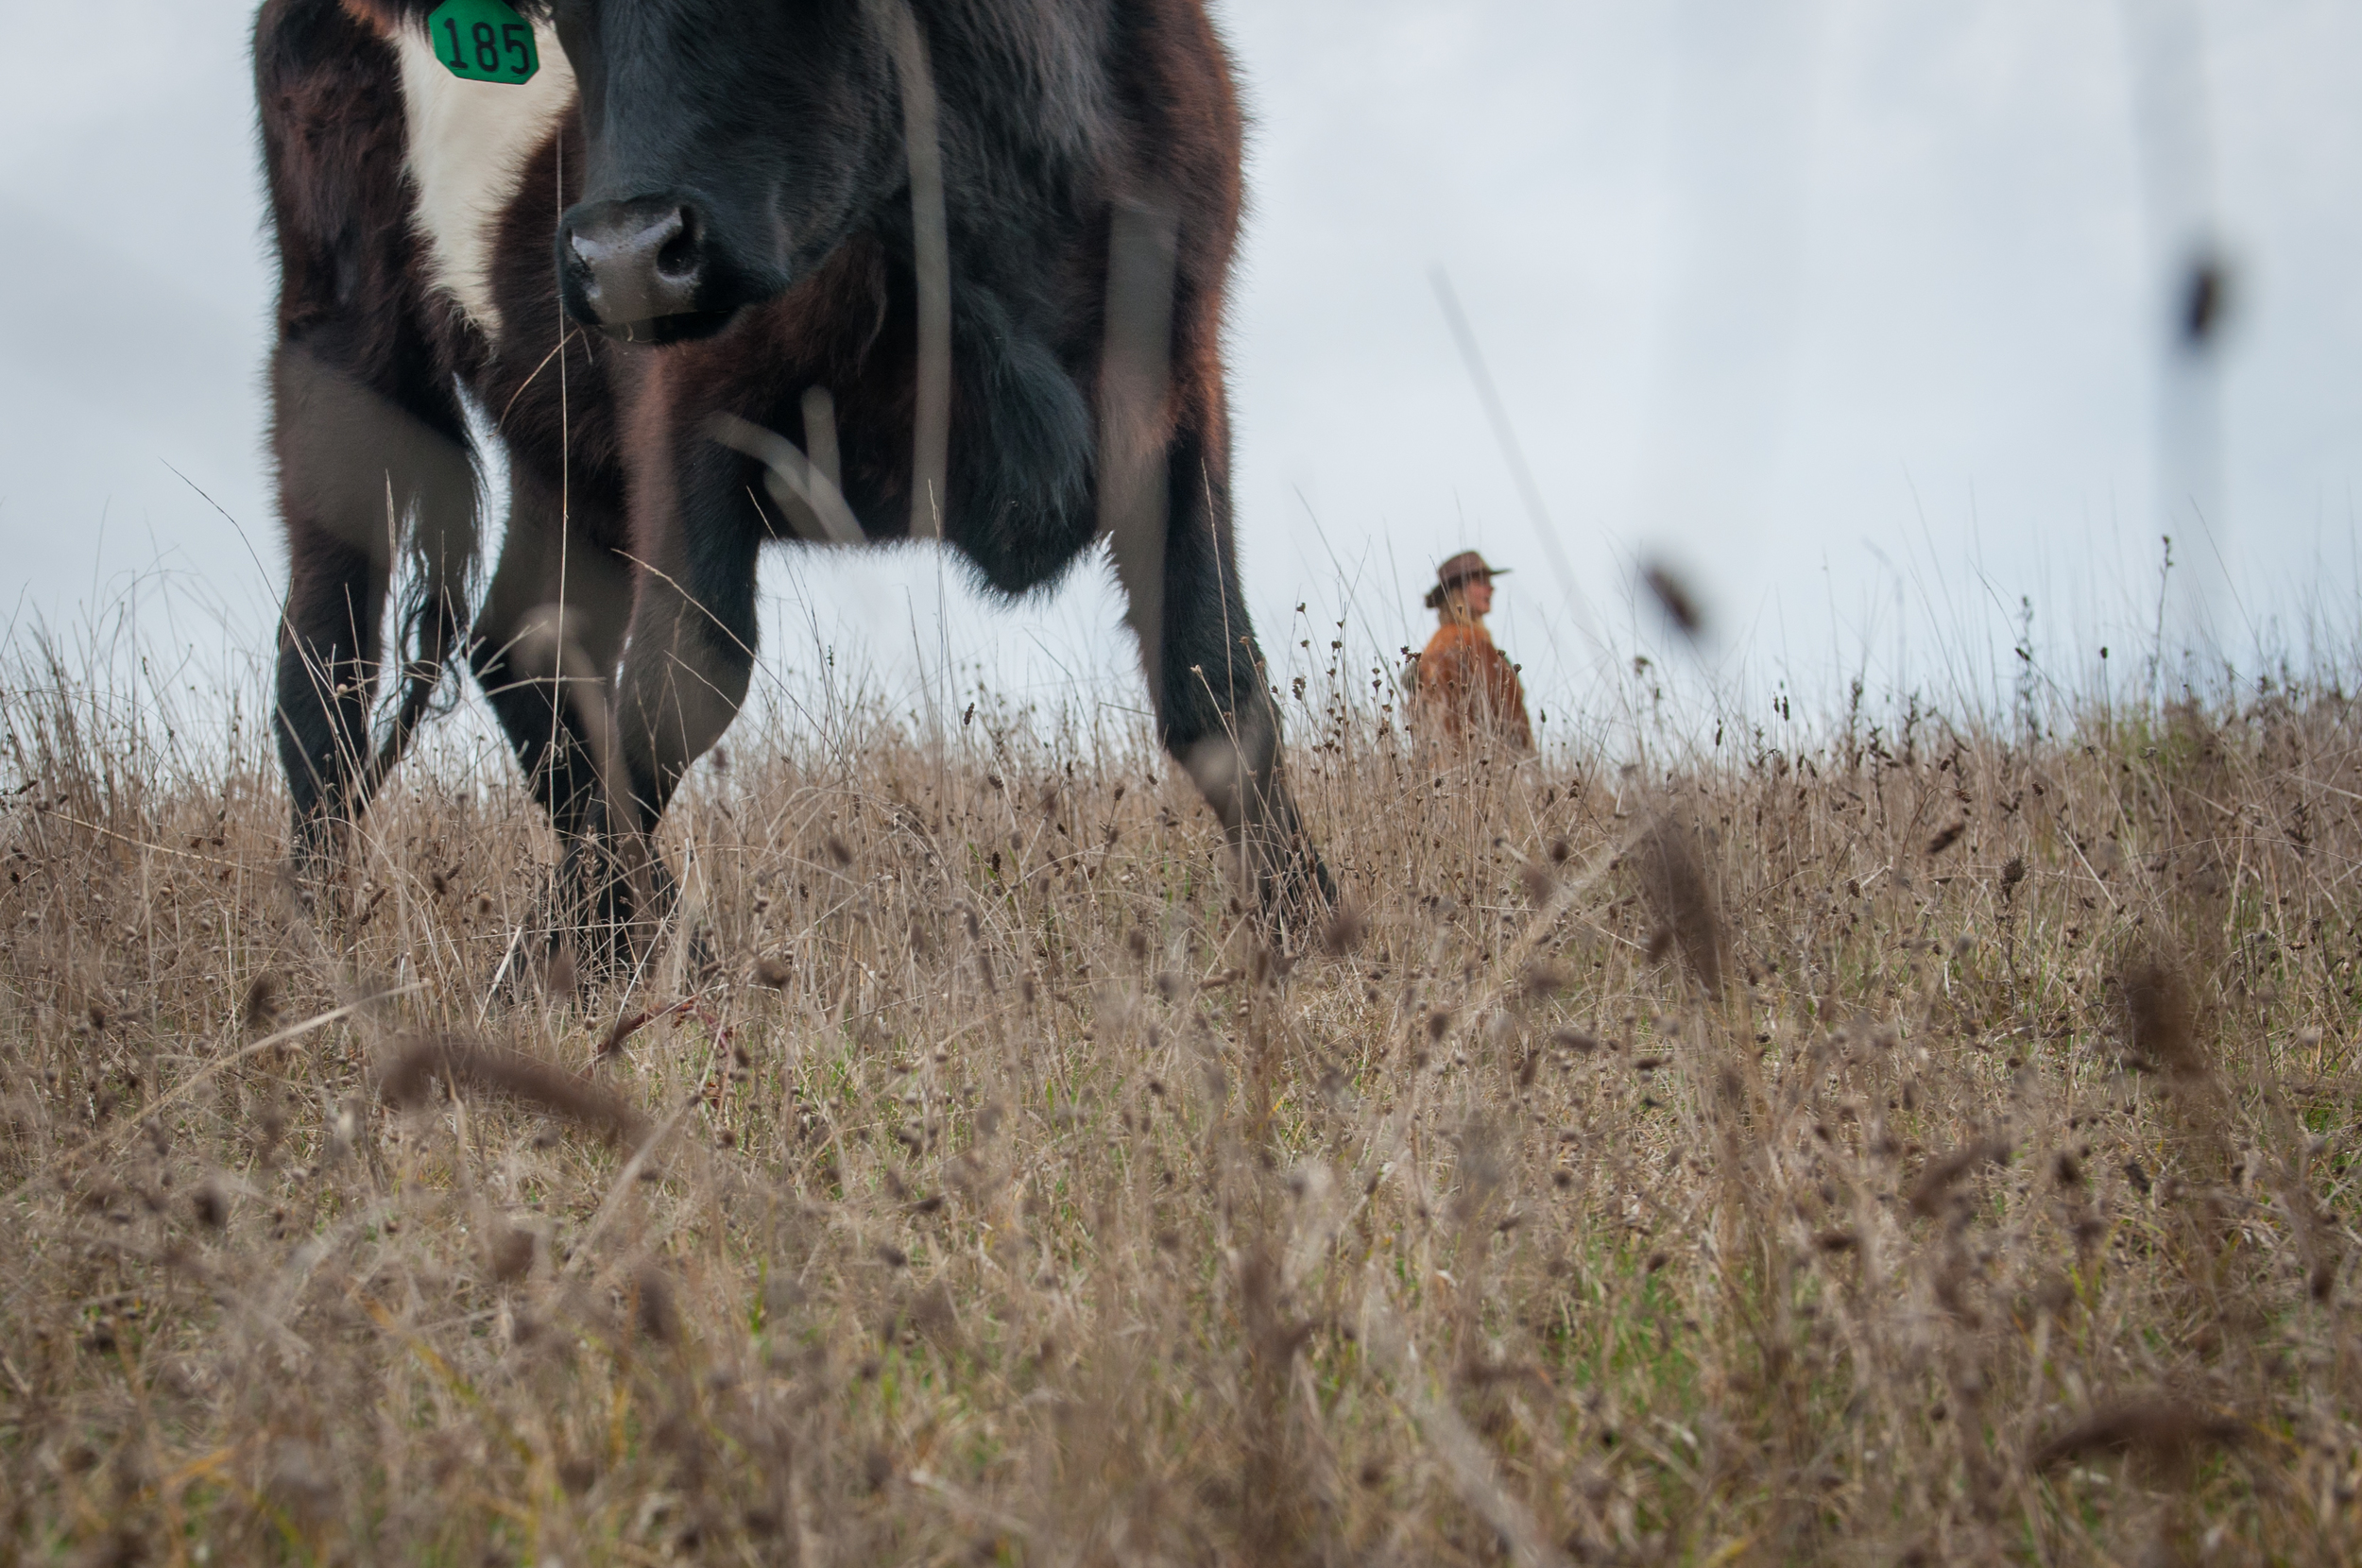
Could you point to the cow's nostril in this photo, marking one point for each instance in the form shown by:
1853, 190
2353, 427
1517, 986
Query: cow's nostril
678, 256
619, 240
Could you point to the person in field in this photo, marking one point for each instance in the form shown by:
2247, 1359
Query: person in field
1464, 691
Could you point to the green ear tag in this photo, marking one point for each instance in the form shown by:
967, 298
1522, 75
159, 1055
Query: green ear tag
483, 41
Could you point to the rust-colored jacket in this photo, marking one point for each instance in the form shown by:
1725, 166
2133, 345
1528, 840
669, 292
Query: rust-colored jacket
1464, 691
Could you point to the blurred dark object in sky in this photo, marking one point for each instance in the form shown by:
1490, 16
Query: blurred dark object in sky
2206, 301
1675, 598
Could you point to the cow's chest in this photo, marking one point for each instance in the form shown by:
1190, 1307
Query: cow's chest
469, 144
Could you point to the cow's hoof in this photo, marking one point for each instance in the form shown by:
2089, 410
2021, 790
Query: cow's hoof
603, 924
1299, 897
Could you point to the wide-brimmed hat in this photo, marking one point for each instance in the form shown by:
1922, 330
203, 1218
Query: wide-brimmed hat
1458, 569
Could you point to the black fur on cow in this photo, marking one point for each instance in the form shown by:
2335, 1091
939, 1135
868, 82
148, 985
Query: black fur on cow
913, 265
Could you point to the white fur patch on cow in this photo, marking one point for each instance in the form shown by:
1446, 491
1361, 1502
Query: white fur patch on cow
468, 145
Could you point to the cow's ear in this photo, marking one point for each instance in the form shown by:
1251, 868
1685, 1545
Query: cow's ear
379, 16
384, 16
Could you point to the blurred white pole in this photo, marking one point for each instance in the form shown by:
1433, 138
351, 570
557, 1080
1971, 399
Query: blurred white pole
2168, 61
1738, 155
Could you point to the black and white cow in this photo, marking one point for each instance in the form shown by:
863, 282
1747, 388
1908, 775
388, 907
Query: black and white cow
724, 272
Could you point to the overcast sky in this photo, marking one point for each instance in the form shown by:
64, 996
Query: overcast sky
1853, 310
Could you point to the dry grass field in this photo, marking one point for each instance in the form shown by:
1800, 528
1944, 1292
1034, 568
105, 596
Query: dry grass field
1927, 1145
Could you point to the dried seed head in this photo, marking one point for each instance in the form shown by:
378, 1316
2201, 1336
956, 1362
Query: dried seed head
508, 1255
463, 1064
1674, 880
2160, 1025
2160, 1429
2013, 873
656, 1315
622, 1030
559, 976
2206, 301
1545, 979
1675, 598
1934, 1186
1343, 932
262, 995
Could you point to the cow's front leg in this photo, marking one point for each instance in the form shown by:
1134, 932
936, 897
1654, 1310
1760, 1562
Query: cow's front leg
685, 671
1214, 709
363, 476
545, 650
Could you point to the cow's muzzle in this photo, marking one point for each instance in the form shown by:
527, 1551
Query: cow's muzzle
640, 270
